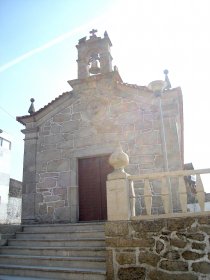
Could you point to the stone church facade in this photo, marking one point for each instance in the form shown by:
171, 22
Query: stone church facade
69, 141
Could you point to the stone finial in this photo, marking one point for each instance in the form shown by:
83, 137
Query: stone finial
168, 84
116, 68
31, 109
106, 34
157, 86
119, 160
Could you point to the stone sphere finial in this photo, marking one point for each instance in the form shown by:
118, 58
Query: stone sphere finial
157, 86
119, 160
31, 109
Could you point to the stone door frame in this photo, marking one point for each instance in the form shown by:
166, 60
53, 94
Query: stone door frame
73, 191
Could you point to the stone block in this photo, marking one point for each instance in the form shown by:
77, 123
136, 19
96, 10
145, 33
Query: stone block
129, 242
195, 236
159, 161
188, 255
148, 258
66, 145
59, 118
201, 267
58, 165
49, 198
125, 258
64, 179
42, 209
62, 214
174, 265
148, 226
70, 126
68, 136
72, 195
198, 246
178, 243
134, 273
172, 255
87, 141
74, 213
132, 169
53, 139
62, 192
48, 155
55, 128
142, 159
204, 220
116, 229
47, 183
175, 224
147, 138
50, 175
76, 116
118, 203
161, 275
205, 229
85, 132
109, 265
145, 125
28, 210
56, 204
159, 246
117, 109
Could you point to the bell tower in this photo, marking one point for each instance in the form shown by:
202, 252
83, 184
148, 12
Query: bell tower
94, 55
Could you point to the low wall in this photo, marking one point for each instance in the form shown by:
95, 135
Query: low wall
160, 249
8, 231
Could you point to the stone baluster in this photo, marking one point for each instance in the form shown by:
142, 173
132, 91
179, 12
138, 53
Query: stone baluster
147, 196
132, 199
200, 194
118, 188
165, 195
182, 194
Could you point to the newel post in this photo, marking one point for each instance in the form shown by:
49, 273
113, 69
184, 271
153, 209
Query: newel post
118, 189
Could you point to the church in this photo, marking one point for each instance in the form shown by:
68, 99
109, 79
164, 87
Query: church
69, 141
87, 155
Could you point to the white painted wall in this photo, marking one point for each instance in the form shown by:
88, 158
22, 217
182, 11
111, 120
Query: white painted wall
5, 157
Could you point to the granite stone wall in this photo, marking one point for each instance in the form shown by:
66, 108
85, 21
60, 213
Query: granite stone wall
95, 117
161, 249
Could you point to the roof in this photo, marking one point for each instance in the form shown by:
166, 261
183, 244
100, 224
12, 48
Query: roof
60, 97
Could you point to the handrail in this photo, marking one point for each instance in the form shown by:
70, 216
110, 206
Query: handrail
168, 174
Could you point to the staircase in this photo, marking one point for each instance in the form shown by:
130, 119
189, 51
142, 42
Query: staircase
61, 251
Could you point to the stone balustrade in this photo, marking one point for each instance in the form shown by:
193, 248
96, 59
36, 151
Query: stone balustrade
146, 195
164, 182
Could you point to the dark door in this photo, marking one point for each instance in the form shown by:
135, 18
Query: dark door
92, 188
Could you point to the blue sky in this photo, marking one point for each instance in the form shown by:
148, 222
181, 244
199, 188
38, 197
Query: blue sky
38, 56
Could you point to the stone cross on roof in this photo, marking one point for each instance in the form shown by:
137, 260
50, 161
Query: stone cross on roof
92, 32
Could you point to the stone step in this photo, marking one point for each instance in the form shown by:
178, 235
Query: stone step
54, 261
59, 235
53, 272
81, 242
70, 251
64, 227
55, 251
9, 277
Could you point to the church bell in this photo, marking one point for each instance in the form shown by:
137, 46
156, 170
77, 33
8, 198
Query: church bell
94, 65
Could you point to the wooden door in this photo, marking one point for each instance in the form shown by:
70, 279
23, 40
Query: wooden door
92, 174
